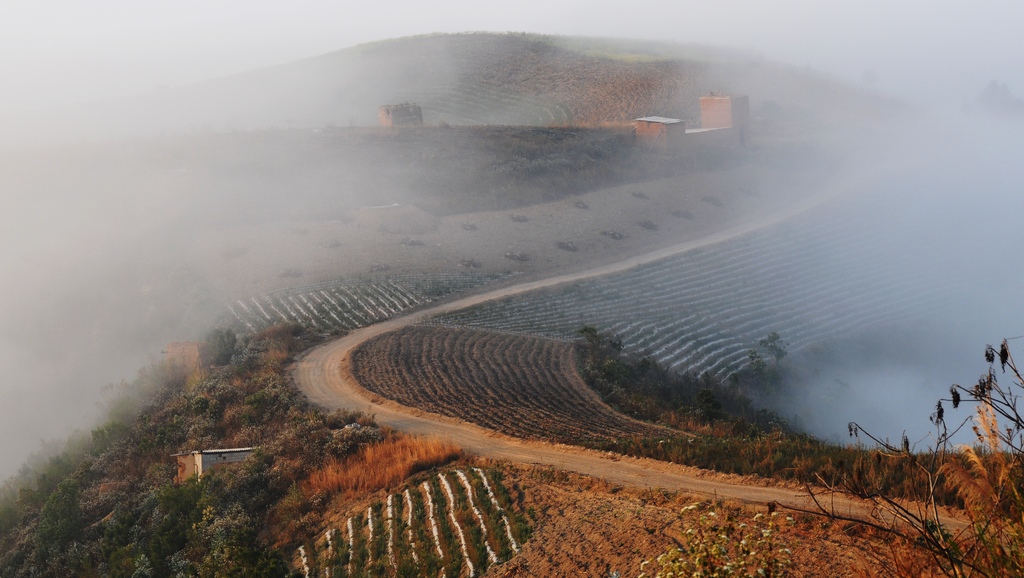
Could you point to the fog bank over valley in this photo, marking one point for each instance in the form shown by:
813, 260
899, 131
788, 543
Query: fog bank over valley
137, 222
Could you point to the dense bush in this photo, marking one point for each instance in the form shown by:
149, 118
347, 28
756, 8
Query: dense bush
722, 545
721, 430
106, 504
642, 388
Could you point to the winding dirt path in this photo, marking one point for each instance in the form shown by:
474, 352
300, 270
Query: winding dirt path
324, 375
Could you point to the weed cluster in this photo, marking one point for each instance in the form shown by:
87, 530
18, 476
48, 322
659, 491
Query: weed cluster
721, 545
986, 480
381, 465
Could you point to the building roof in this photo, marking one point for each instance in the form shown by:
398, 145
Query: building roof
659, 119
224, 451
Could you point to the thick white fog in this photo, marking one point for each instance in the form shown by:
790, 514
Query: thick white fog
83, 237
61, 51
951, 225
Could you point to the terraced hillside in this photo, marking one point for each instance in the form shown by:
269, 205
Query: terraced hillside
348, 304
845, 268
479, 78
521, 386
453, 523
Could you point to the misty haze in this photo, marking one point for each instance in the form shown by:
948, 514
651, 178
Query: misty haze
500, 249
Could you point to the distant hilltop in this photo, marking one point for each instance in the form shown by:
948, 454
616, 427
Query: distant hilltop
463, 79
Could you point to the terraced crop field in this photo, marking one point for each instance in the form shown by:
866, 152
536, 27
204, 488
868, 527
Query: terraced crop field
348, 304
822, 276
476, 103
522, 386
453, 523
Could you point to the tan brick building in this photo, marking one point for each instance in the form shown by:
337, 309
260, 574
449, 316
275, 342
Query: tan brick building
726, 111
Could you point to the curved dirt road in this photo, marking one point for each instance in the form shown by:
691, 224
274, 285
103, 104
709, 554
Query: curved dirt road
324, 375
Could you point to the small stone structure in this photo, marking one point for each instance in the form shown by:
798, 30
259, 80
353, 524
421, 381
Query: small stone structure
724, 120
405, 114
198, 462
659, 131
726, 111
187, 356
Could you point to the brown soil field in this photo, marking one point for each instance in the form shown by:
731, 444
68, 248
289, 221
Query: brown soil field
244, 260
526, 387
586, 526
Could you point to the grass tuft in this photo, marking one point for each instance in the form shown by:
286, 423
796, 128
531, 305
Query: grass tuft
382, 465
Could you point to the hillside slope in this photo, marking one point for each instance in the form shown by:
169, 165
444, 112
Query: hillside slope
482, 78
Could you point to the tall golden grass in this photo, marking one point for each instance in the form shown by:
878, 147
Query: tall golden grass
382, 465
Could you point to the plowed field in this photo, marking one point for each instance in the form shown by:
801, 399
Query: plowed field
526, 387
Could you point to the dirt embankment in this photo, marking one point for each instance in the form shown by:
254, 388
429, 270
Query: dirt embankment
589, 527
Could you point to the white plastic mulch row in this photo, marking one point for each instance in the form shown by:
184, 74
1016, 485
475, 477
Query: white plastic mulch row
455, 522
494, 501
479, 517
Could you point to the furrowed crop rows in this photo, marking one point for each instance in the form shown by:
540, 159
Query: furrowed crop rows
454, 523
348, 304
523, 386
703, 310
474, 103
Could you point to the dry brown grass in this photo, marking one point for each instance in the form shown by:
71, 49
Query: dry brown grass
382, 465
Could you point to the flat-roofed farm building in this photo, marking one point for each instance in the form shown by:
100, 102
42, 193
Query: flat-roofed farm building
198, 462
659, 131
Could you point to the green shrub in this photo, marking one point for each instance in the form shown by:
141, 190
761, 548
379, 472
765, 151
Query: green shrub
221, 344
721, 545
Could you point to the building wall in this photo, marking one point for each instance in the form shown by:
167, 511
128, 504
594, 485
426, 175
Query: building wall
715, 111
400, 115
216, 459
198, 463
726, 112
189, 356
711, 139
188, 465
660, 135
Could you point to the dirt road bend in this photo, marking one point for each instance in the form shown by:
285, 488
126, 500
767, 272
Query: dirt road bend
324, 375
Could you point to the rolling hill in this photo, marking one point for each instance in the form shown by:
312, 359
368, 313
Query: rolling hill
461, 79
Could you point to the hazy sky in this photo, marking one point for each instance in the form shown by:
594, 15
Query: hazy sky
61, 51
